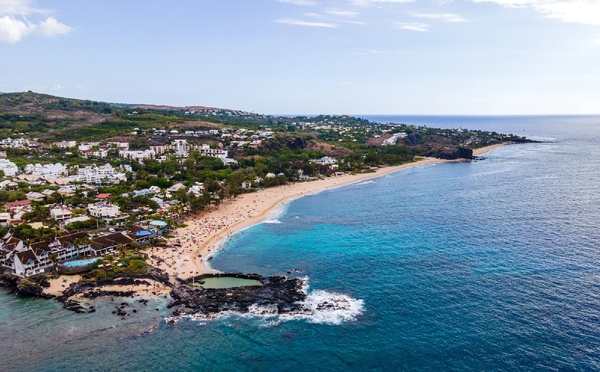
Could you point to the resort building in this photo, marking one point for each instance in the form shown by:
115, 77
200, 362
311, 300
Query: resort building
21, 260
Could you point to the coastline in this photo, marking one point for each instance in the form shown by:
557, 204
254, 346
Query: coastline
207, 231
189, 252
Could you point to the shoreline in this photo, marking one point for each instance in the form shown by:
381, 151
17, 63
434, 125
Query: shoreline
189, 252
207, 232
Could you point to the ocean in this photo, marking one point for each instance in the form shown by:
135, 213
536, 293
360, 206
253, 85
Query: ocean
485, 265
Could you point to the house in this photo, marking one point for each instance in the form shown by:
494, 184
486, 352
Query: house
8, 185
4, 219
102, 196
142, 192
18, 206
60, 213
76, 219
67, 191
48, 192
103, 210
35, 196
176, 187
246, 185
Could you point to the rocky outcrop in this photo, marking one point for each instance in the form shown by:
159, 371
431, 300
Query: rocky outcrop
31, 287
84, 287
276, 292
450, 153
78, 307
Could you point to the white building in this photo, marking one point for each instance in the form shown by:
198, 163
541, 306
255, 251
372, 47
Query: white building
60, 213
99, 174
102, 210
325, 160
47, 170
9, 168
138, 156
65, 144
18, 143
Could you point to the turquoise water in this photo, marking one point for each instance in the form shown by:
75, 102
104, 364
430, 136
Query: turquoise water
487, 265
80, 262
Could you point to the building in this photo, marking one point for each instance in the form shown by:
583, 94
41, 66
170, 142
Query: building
22, 260
4, 219
325, 160
60, 213
9, 168
103, 210
47, 170
65, 144
102, 174
138, 156
35, 196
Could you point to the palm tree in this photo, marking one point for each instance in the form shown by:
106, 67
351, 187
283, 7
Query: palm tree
53, 257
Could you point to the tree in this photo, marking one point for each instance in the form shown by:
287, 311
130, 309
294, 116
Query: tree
53, 257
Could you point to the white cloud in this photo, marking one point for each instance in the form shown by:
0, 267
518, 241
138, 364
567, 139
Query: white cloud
14, 30
419, 27
342, 13
299, 2
19, 8
297, 22
15, 24
576, 11
51, 27
595, 41
444, 17
372, 2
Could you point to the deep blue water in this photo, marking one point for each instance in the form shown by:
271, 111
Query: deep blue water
486, 265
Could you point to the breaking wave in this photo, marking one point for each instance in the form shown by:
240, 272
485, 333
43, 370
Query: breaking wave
272, 221
319, 307
366, 182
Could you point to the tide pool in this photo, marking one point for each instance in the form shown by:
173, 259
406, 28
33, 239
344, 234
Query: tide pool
485, 265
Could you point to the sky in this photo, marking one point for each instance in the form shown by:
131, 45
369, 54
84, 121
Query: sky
430, 57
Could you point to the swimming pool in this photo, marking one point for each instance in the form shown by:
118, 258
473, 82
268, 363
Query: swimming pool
76, 263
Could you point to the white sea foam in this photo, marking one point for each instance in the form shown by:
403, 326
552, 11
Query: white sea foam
320, 306
272, 221
366, 182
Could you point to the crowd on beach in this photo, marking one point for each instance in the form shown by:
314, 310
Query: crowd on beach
189, 251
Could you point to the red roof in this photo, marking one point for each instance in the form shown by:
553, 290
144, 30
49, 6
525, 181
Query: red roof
102, 196
18, 203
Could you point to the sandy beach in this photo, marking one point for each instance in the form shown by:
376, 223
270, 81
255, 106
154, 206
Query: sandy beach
188, 253
205, 232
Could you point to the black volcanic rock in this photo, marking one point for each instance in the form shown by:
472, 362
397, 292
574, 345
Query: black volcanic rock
276, 292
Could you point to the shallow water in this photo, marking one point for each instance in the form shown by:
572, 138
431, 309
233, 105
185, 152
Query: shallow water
229, 282
487, 265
